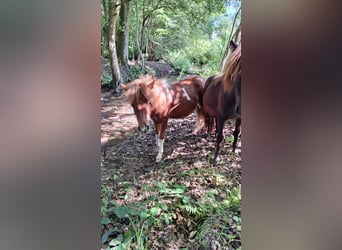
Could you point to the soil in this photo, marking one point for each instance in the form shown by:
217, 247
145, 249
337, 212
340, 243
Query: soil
161, 69
124, 148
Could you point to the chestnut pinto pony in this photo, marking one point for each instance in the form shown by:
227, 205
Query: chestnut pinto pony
152, 98
222, 98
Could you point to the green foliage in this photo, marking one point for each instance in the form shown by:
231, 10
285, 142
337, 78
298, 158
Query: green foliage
106, 79
221, 224
214, 210
191, 34
136, 71
202, 56
199, 52
179, 61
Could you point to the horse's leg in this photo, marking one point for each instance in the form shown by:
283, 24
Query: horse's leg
210, 124
236, 132
219, 137
215, 120
161, 141
157, 128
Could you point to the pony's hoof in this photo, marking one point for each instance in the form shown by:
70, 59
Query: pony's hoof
158, 158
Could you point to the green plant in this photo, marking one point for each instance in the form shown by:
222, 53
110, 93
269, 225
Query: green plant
224, 224
179, 61
131, 223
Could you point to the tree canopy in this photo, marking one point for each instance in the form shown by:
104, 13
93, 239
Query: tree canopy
185, 33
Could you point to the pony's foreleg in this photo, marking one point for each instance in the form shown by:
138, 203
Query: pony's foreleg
219, 138
161, 141
157, 128
236, 132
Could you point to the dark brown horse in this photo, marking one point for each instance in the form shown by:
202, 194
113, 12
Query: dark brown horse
222, 98
152, 98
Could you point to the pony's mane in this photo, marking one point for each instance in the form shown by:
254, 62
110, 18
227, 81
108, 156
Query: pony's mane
232, 69
138, 88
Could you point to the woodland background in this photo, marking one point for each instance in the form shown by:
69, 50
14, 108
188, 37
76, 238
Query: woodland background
183, 202
190, 35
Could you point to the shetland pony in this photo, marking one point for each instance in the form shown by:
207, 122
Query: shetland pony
152, 98
222, 98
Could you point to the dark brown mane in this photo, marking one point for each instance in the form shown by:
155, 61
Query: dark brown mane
232, 69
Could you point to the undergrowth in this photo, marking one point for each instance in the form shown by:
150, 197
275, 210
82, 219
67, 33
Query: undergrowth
201, 56
199, 206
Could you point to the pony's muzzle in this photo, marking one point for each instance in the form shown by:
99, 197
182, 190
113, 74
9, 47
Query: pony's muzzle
144, 129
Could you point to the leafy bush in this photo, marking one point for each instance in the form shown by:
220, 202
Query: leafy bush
204, 51
180, 61
200, 56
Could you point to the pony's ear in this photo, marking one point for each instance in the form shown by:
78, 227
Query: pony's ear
232, 45
124, 87
150, 84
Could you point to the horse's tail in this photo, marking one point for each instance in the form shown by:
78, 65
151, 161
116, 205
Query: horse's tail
201, 119
204, 115
199, 108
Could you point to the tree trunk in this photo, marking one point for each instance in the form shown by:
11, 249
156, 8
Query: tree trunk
123, 32
145, 25
113, 14
143, 35
104, 31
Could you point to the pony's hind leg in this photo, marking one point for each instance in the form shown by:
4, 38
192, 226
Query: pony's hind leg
157, 127
236, 132
219, 138
210, 125
209, 121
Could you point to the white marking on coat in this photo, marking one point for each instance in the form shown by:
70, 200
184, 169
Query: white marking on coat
160, 150
186, 94
157, 141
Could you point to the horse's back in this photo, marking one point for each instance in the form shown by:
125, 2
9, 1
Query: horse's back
186, 95
193, 80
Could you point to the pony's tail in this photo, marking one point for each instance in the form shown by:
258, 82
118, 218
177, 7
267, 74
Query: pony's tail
201, 121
